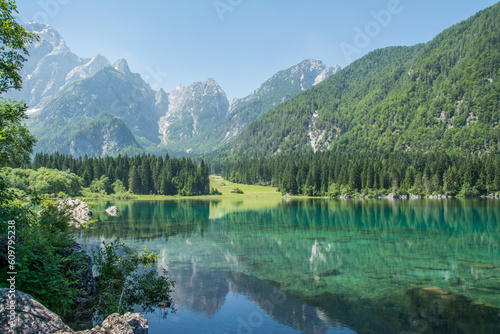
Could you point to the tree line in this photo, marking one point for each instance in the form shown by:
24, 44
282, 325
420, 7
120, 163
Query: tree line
334, 174
140, 174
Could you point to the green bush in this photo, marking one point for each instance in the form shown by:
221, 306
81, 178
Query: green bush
215, 191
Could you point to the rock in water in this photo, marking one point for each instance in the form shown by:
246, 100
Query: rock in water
444, 311
112, 211
329, 272
28, 316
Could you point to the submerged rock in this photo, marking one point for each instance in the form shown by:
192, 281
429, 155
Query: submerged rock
442, 310
112, 211
329, 272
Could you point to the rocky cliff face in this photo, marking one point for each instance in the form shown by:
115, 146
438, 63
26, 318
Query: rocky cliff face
50, 66
193, 111
285, 84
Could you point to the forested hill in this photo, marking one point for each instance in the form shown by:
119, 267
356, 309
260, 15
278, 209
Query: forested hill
441, 95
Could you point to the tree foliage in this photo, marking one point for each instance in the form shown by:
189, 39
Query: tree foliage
441, 95
141, 174
334, 174
13, 51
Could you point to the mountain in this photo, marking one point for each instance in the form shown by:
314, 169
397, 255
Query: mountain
281, 87
441, 95
51, 65
112, 90
107, 136
192, 113
69, 95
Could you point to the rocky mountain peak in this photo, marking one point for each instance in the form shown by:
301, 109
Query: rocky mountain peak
50, 40
121, 65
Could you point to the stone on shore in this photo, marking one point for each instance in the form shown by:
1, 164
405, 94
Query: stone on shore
129, 323
31, 317
28, 315
393, 196
80, 212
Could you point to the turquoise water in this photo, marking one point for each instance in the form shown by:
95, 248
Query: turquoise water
319, 266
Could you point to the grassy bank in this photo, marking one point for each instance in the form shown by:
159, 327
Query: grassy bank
224, 187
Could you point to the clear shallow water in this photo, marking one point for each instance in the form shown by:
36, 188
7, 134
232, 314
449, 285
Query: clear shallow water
319, 266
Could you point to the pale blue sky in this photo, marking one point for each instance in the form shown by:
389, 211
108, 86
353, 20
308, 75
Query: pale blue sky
240, 43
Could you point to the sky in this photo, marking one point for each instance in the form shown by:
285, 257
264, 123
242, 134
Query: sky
240, 43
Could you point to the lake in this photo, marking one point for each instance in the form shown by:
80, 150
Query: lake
318, 266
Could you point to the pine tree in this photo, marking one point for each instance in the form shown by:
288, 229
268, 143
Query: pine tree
134, 181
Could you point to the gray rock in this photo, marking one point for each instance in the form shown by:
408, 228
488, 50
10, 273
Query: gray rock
344, 197
403, 197
80, 212
393, 196
415, 197
112, 211
31, 317
28, 315
129, 323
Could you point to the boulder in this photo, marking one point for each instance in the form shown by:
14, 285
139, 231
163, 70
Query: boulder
362, 196
80, 212
28, 316
415, 197
393, 196
129, 323
112, 211
345, 197
403, 197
